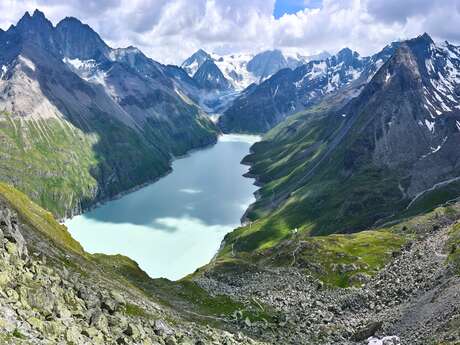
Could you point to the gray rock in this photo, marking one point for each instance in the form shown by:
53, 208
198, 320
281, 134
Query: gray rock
162, 329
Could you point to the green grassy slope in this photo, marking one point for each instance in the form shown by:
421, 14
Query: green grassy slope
339, 260
319, 186
64, 168
39, 219
49, 160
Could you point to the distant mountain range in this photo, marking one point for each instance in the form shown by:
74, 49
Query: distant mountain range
242, 70
261, 107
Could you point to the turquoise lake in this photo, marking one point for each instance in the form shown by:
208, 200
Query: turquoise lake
175, 225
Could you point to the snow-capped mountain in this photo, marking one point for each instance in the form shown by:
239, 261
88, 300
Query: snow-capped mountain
244, 69
194, 62
442, 78
263, 106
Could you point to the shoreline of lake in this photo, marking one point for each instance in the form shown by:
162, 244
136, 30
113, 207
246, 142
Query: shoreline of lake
206, 211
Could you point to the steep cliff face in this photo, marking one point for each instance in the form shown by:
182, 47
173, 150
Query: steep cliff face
209, 76
87, 121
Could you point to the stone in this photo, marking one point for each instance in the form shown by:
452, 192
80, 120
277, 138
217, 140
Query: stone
53, 329
9, 223
170, 340
73, 335
11, 248
4, 279
99, 320
109, 304
36, 323
367, 331
90, 332
118, 298
132, 331
161, 328
61, 310
247, 322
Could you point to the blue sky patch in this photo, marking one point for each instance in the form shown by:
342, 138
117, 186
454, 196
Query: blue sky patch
293, 6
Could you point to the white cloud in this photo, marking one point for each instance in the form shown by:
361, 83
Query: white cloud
170, 30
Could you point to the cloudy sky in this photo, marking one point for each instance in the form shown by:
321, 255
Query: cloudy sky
170, 30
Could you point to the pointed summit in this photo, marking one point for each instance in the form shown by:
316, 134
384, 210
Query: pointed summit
80, 41
35, 30
266, 63
39, 15
194, 62
35, 21
426, 37
209, 76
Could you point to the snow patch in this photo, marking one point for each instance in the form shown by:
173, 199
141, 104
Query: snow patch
430, 125
87, 70
388, 340
3, 71
387, 77
27, 62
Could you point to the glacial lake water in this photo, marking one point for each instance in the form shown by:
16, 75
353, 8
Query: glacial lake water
175, 225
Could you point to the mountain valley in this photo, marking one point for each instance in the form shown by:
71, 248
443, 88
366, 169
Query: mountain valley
354, 234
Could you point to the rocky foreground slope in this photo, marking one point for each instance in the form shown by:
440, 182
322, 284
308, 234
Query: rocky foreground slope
52, 292
395, 285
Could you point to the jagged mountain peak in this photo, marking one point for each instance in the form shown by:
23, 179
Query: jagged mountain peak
36, 20
39, 14
266, 63
426, 37
201, 52
345, 52
194, 62
209, 76
80, 41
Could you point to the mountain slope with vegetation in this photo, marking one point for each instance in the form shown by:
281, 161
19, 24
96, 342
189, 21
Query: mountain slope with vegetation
81, 122
388, 153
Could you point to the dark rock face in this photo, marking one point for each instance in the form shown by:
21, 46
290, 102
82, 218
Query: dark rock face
267, 63
410, 113
194, 62
209, 76
78, 40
